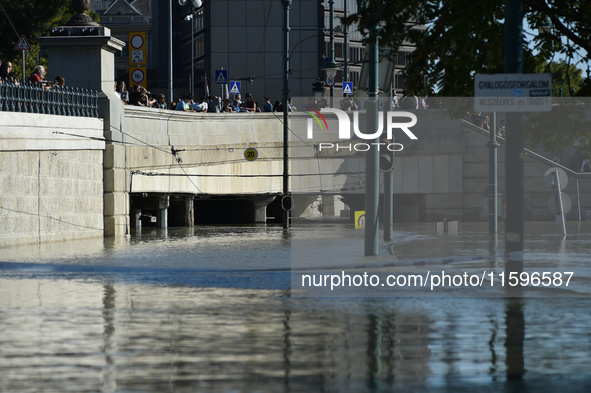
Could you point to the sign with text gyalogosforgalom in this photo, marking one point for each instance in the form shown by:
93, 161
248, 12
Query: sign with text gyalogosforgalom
513, 92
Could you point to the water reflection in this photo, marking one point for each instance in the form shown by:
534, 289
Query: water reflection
171, 325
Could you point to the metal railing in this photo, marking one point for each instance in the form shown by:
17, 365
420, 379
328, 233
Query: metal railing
33, 98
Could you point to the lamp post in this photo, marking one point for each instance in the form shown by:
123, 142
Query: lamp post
331, 67
195, 5
170, 81
514, 142
286, 197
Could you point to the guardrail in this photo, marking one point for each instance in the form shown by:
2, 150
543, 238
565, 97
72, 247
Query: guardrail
33, 98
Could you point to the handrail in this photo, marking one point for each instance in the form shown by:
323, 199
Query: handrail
33, 98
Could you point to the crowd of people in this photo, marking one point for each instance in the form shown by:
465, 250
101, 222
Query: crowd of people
36, 78
139, 96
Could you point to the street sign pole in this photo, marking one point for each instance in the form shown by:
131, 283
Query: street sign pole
514, 143
24, 68
372, 157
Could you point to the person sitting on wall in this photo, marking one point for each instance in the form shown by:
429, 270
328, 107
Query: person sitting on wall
184, 104
199, 106
268, 107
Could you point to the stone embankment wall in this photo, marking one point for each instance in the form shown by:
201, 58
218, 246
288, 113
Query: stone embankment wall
51, 178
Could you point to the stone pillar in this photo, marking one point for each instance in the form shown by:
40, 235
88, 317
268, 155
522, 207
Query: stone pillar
189, 211
162, 216
85, 56
260, 207
137, 216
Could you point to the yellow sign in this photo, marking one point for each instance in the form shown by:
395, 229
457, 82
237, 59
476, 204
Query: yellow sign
137, 48
251, 154
137, 76
360, 219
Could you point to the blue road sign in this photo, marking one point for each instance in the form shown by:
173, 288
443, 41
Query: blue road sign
347, 87
221, 77
235, 87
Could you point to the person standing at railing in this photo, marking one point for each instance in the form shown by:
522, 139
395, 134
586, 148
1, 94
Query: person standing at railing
59, 81
250, 105
268, 107
38, 76
160, 102
6, 74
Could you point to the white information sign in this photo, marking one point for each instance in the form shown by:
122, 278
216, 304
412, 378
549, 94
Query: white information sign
513, 92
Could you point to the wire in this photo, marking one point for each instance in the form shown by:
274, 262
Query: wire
139, 172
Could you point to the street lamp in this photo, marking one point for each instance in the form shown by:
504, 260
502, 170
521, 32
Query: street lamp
545, 25
195, 4
331, 67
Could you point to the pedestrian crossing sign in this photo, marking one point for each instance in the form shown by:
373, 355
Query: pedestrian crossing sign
22, 44
347, 87
221, 77
235, 87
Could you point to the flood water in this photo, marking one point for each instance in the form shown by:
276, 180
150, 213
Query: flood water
211, 309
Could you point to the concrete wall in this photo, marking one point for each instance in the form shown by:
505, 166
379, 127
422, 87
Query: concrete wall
51, 184
207, 145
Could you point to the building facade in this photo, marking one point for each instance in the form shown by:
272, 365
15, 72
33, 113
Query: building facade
245, 38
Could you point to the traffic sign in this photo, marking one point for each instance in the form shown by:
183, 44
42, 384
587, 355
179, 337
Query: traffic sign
137, 48
359, 219
251, 154
22, 44
513, 92
235, 87
347, 87
221, 77
137, 76
329, 81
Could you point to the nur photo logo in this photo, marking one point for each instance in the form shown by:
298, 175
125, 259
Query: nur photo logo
392, 120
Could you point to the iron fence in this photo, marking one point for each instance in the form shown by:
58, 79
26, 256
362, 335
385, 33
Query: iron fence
55, 100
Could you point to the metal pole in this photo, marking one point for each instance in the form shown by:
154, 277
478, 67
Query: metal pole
492, 178
388, 201
331, 35
286, 29
389, 189
514, 142
578, 198
170, 92
24, 68
559, 200
372, 157
192, 52
346, 48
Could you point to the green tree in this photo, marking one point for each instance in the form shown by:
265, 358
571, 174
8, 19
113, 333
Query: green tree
566, 78
455, 39
31, 18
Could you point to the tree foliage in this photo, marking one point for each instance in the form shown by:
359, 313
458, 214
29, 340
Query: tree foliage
31, 18
455, 39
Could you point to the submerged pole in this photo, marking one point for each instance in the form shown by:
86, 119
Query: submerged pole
372, 157
514, 142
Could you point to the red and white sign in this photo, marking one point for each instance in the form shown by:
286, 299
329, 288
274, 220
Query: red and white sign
137, 41
22, 44
138, 76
